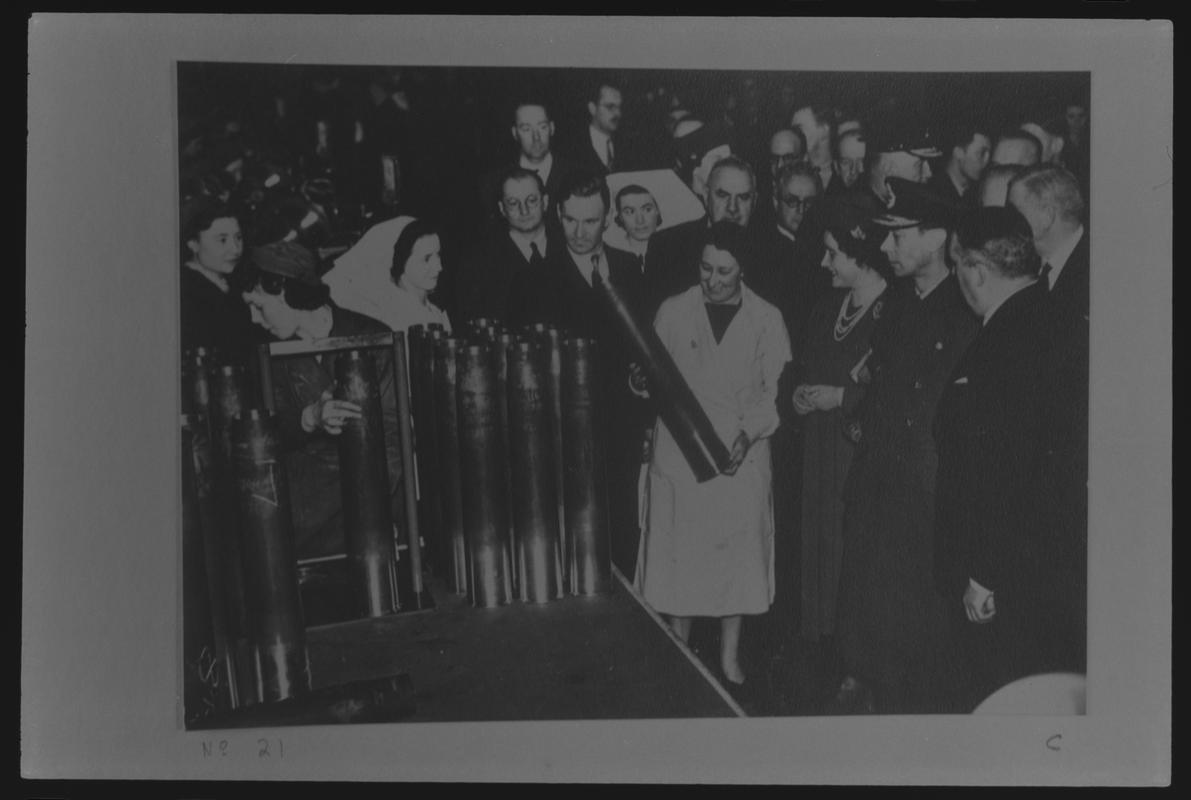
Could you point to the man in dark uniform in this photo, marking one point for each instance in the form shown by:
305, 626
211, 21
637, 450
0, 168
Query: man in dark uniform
891, 620
996, 556
562, 291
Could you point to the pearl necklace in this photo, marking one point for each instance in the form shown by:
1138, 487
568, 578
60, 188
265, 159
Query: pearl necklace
847, 320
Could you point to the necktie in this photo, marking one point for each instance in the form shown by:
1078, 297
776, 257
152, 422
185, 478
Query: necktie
641, 263
609, 160
1044, 274
535, 257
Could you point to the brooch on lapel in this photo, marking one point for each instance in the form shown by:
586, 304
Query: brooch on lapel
877, 306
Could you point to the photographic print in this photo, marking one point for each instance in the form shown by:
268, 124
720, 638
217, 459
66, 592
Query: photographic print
444, 464
597, 399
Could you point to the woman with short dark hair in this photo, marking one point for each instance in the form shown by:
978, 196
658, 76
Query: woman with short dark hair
707, 548
212, 314
829, 383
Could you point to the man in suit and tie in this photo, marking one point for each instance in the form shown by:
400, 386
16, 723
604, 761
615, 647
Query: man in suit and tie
533, 133
598, 150
1049, 198
847, 167
562, 291
486, 275
787, 272
786, 146
1000, 565
967, 150
816, 124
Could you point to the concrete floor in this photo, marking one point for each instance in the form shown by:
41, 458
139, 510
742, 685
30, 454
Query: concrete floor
575, 658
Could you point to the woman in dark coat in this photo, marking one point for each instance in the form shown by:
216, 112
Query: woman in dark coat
212, 313
827, 390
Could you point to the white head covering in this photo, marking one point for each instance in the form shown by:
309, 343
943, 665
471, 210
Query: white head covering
362, 280
676, 202
363, 273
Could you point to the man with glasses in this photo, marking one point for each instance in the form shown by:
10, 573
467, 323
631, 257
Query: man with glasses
523, 240
786, 146
533, 133
787, 274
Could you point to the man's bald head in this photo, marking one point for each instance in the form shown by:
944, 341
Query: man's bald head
1017, 147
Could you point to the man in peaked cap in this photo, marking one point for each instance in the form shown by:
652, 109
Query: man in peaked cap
900, 151
892, 623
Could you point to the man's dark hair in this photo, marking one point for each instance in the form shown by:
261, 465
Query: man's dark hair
520, 173
404, 246
823, 114
297, 295
200, 214
729, 237
595, 88
584, 185
1002, 236
960, 134
528, 101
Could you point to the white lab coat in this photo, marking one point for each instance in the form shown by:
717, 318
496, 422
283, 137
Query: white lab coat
707, 548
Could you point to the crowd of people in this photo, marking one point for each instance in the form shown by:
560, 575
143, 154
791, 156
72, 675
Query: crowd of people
883, 311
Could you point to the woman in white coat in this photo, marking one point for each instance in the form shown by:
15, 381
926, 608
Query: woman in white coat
707, 550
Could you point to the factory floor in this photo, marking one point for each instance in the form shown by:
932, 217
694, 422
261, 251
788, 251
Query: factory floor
604, 657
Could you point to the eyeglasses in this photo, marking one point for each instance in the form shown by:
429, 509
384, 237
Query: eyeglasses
794, 201
531, 203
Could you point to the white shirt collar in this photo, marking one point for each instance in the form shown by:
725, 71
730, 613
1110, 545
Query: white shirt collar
786, 233
542, 168
524, 245
1058, 259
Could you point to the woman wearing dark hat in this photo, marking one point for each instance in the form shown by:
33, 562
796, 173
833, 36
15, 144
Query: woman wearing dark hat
827, 388
288, 300
213, 315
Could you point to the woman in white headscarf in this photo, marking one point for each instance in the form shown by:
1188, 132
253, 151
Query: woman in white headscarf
389, 274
